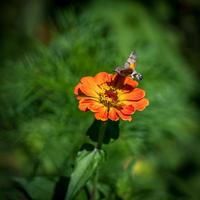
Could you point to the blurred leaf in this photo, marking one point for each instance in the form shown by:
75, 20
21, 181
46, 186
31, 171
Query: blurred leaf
37, 188
86, 164
39, 115
111, 132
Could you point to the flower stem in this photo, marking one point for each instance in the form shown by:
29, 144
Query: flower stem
101, 134
94, 190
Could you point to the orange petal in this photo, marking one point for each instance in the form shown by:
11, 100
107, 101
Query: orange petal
83, 107
89, 86
136, 94
129, 81
96, 106
85, 97
127, 109
102, 114
113, 114
124, 117
85, 103
77, 89
129, 85
102, 77
141, 104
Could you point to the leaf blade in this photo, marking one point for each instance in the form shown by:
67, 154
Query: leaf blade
86, 165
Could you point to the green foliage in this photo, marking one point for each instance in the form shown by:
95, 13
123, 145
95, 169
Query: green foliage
86, 164
37, 187
43, 128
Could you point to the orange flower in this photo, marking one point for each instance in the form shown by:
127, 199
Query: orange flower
110, 96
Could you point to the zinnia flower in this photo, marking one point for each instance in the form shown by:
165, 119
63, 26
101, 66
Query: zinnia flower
110, 96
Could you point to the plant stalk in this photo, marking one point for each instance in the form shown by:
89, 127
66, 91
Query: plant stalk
101, 134
102, 131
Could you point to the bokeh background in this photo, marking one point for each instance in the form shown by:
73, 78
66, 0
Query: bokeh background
48, 45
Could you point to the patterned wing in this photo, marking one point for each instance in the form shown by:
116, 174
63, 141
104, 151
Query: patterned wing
131, 61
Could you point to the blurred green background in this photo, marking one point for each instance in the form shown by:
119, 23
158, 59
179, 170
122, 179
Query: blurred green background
47, 46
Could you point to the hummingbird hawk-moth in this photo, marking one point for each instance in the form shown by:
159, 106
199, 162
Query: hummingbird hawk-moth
129, 68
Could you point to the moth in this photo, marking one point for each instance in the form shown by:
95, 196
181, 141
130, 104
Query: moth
129, 68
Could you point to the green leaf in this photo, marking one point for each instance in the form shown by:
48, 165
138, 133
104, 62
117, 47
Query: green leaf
86, 164
37, 188
111, 132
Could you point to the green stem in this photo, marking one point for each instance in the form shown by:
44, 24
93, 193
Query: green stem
101, 134
94, 190
102, 131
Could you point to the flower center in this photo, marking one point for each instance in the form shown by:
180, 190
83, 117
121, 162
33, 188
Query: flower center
109, 97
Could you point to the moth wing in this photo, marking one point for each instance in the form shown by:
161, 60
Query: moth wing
118, 69
126, 65
131, 60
